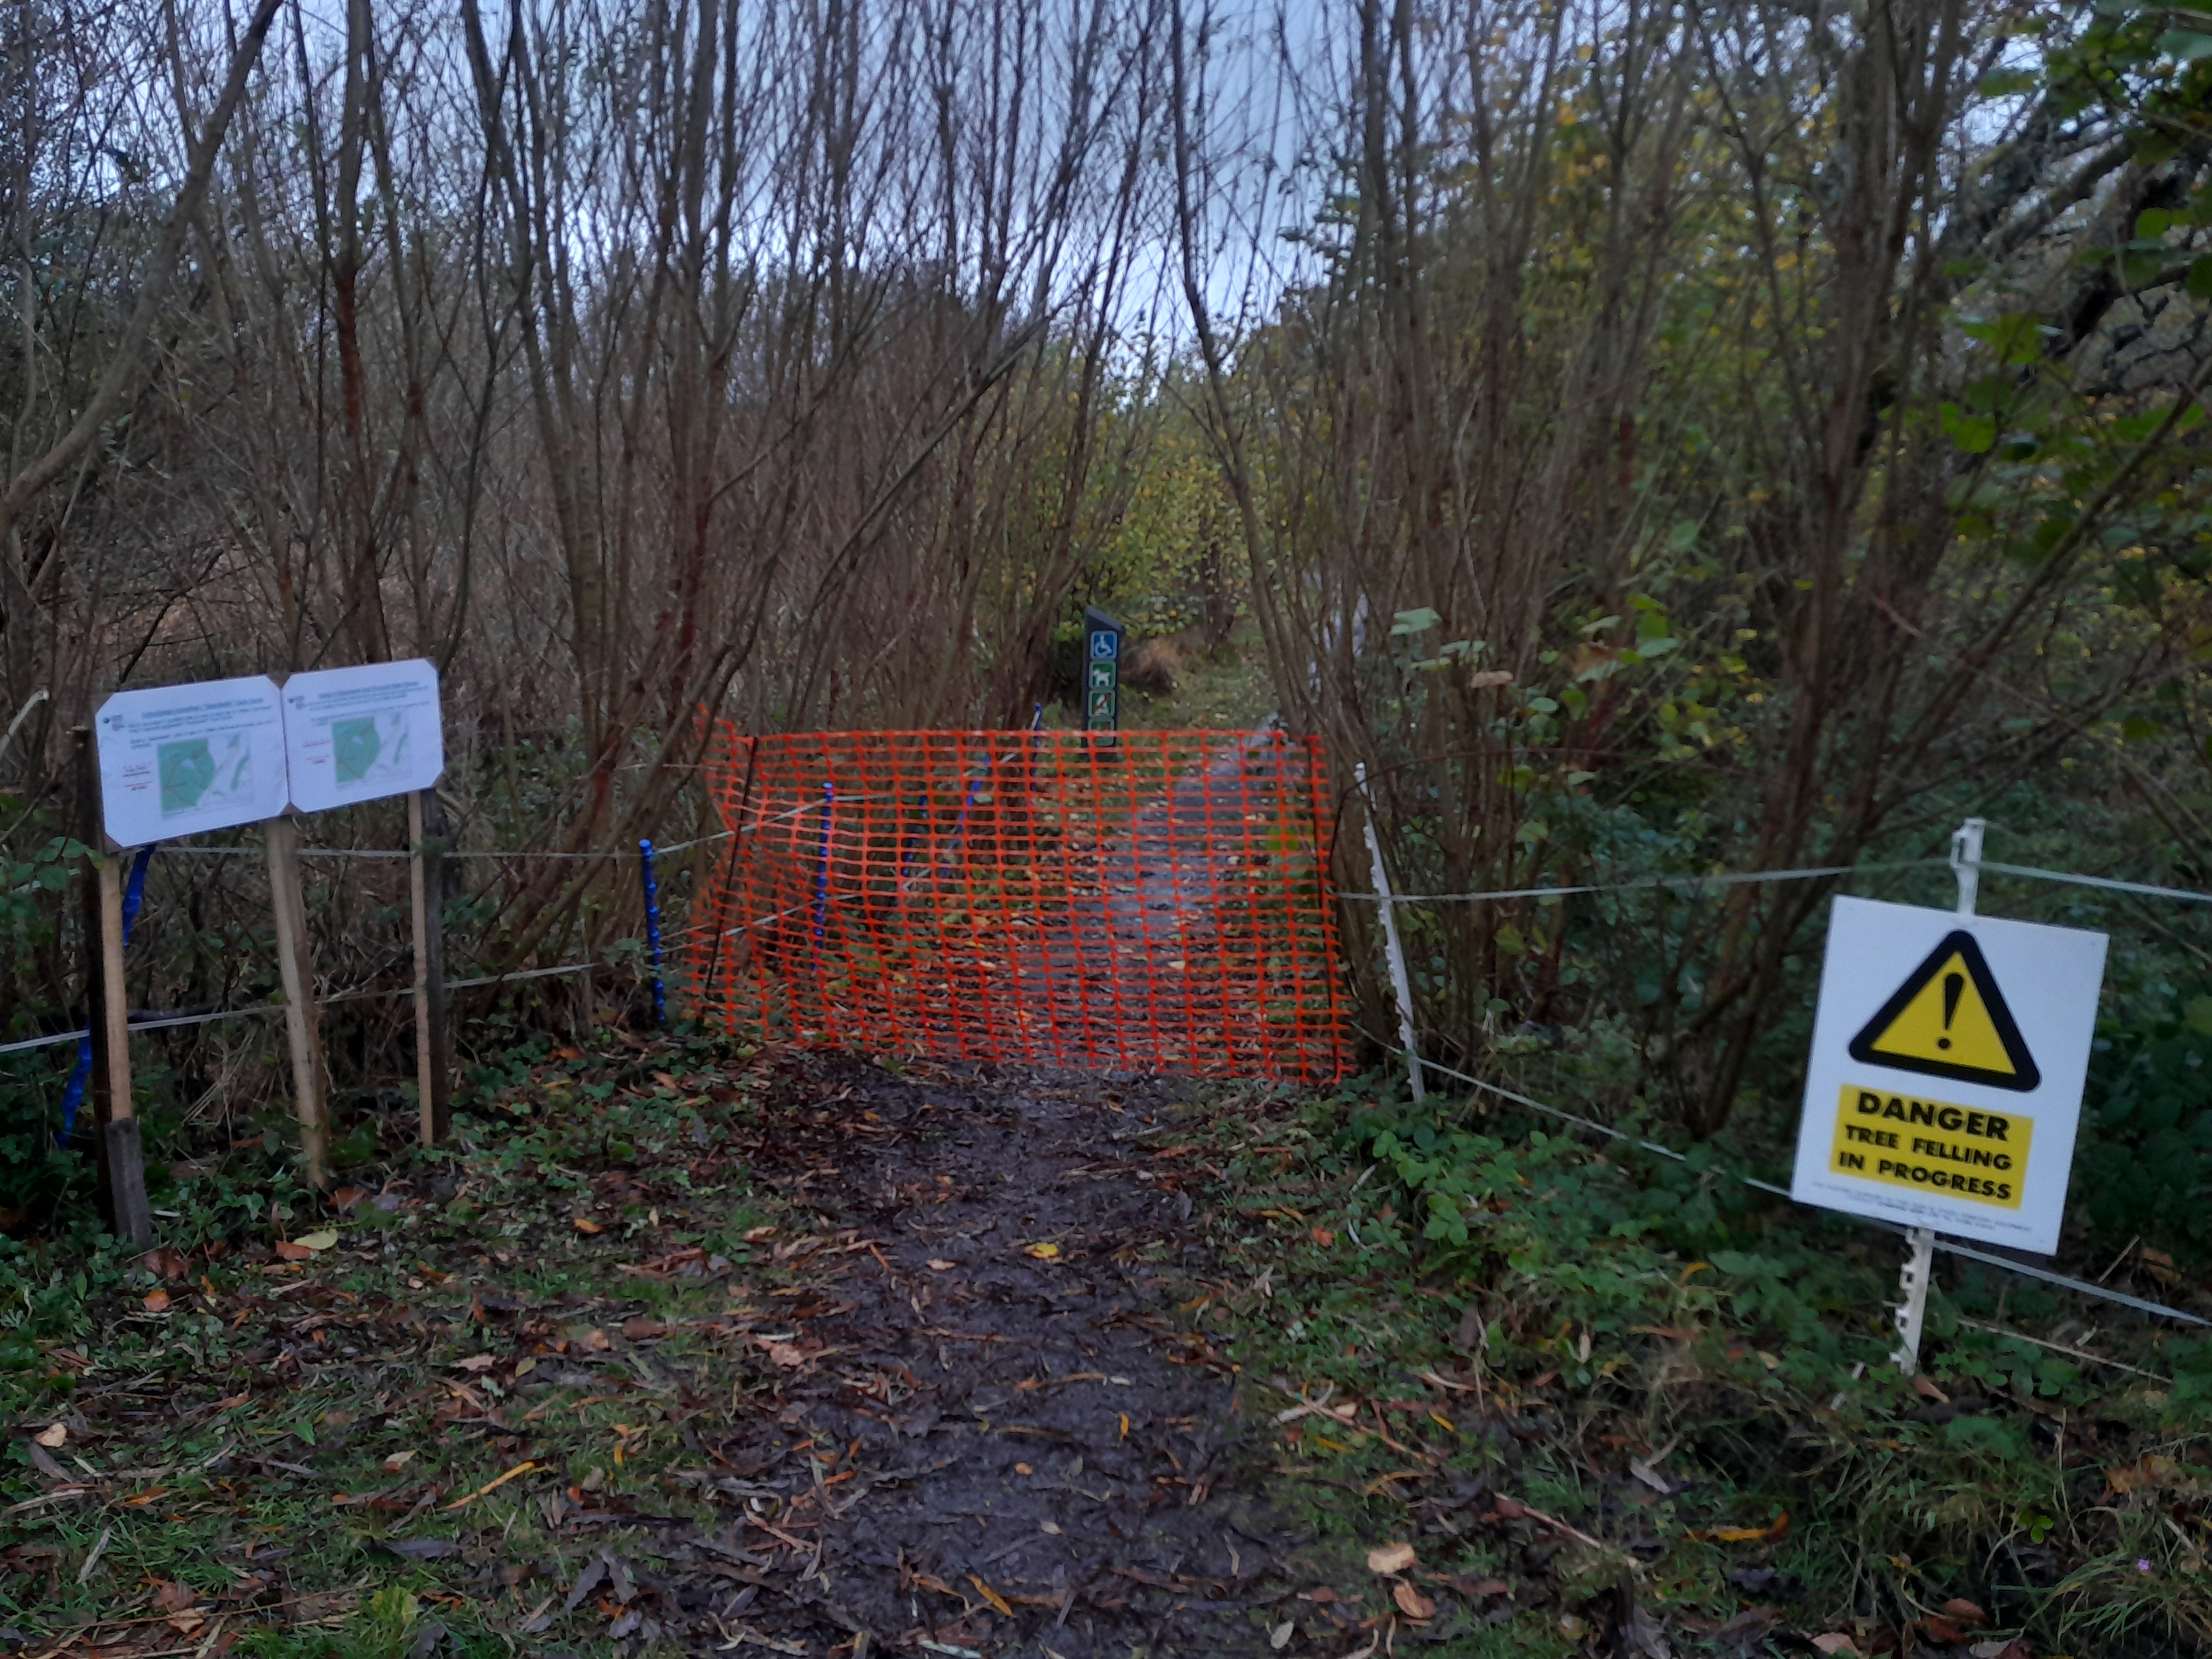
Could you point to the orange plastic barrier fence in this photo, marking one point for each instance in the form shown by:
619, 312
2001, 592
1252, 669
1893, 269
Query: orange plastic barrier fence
1150, 901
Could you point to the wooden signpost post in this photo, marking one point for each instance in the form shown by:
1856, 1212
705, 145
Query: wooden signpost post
296, 967
426, 867
116, 1147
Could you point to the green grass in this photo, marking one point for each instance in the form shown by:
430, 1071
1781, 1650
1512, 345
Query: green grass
1509, 1307
335, 1407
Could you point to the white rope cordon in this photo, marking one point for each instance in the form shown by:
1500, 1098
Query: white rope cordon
165, 1022
1727, 880
2157, 1309
2143, 888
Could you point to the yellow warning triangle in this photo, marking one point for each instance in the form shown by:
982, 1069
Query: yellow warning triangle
1948, 1019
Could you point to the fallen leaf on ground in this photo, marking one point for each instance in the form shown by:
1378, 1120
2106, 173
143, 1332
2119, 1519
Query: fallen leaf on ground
53, 1435
474, 1362
287, 1251
523, 1467
1747, 1534
1390, 1558
1475, 1588
319, 1241
784, 1354
586, 1224
140, 1500
397, 1462
1280, 1638
595, 1340
1412, 1603
1964, 1613
1322, 1235
641, 1330
997, 1601
173, 1595
157, 1302
1042, 1252
937, 1264
1834, 1643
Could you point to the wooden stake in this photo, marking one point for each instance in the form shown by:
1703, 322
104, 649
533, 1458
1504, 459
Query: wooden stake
107, 1016
425, 872
95, 991
281, 838
126, 1153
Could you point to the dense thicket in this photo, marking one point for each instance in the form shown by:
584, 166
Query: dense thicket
1728, 437
1653, 438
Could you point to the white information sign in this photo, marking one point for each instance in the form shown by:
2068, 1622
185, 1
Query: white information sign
1945, 1083
357, 734
176, 759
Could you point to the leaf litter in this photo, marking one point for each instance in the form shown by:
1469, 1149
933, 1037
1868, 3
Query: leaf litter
773, 1351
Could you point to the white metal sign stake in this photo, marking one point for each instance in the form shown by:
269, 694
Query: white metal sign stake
1966, 866
1392, 948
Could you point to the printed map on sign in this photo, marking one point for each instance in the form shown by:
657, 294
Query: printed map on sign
369, 750
1927, 1103
176, 759
357, 734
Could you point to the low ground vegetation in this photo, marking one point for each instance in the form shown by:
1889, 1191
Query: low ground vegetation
589, 1377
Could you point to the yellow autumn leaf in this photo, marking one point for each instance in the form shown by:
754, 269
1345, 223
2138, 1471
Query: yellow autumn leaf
1044, 1252
998, 1601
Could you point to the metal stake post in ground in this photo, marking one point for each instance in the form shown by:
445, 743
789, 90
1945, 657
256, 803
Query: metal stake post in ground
1393, 949
1966, 866
653, 929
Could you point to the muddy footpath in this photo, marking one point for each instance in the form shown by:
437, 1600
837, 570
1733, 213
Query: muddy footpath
1029, 1455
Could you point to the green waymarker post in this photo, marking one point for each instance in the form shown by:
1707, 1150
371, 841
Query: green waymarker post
1102, 671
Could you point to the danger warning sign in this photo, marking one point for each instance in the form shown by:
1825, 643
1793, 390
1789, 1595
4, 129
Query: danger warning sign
1909, 994
1949, 1020
1932, 1144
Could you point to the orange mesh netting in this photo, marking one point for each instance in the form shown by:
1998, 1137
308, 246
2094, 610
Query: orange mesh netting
1147, 901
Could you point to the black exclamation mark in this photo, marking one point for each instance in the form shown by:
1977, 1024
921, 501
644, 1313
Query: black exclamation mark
1953, 985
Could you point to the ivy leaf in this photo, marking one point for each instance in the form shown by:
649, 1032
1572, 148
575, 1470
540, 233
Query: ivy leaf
1414, 622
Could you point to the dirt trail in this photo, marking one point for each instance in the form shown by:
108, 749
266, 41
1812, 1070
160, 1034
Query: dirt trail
1031, 1423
